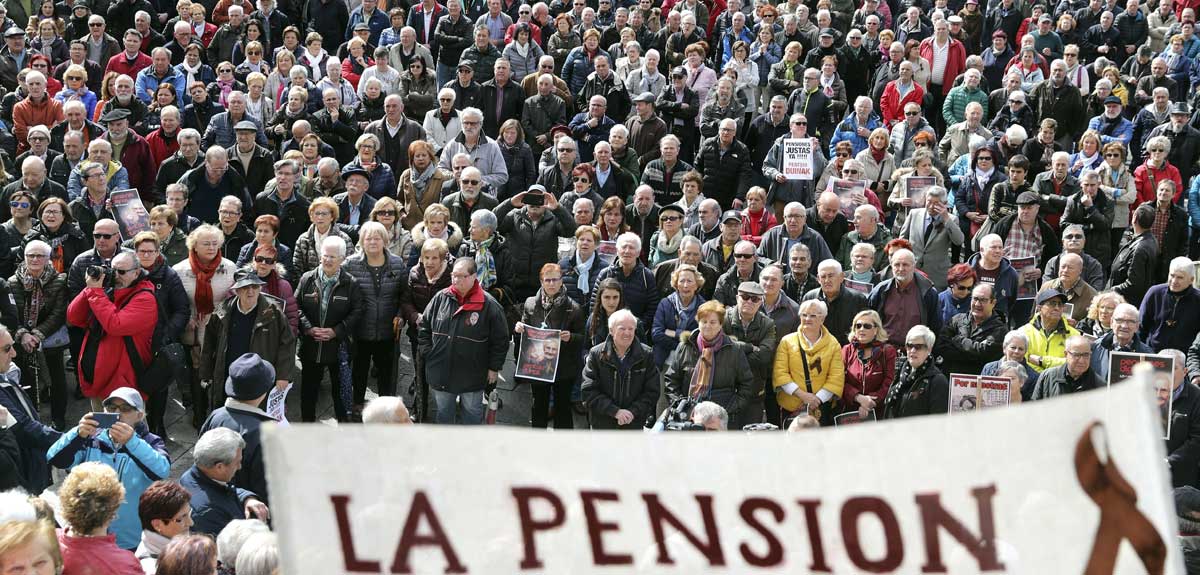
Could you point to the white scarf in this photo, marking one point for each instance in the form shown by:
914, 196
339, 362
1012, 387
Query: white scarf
191, 72
982, 176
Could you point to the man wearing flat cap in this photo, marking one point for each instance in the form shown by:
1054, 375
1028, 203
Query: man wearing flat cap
254, 162
13, 57
355, 204
1184, 138
250, 380
132, 151
646, 129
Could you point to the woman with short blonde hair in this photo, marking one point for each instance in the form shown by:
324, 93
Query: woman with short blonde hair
90, 497
324, 213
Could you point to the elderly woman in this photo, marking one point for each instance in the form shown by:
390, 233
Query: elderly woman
258, 105
57, 228
709, 366
219, 89
323, 212
956, 298
878, 164
22, 204
188, 554
919, 388
207, 278
166, 513
518, 158
420, 184
1016, 374
164, 222
1016, 344
550, 308
75, 78
579, 63
370, 103
620, 382
331, 308
357, 61
387, 212
676, 313
266, 233
564, 40
756, 218
1099, 316
418, 90
493, 267
249, 54
381, 277
870, 364
90, 497
583, 178
664, 244
862, 264
800, 387
280, 77
383, 181
174, 308
700, 78
26, 545
436, 224
270, 269
1116, 181
1155, 169
39, 295
294, 108
429, 276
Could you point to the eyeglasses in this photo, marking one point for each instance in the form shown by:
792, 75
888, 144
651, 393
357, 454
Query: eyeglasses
1079, 354
123, 408
983, 159
752, 298
864, 326
100, 236
961, 287
1157, 151
981, 299
36, 256
850, 172
1070, 54
552, 280
22, 205
581, 179
74, 78
264, 260
743, 256
916, 346
388, 213
228, 213
1073, 237
566, 150
912, 113
470, 123
1054, 303
799, 123
95, 25
1112, 155
470, 182
123, 272
149, 252
323, 214
1014, 101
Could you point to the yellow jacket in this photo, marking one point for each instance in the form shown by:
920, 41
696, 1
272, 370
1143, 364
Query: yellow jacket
825, 367
1052, 346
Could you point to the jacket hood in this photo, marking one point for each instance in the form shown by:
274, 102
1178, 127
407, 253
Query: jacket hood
418, 235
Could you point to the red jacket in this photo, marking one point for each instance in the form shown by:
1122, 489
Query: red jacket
161, 148
873, 378
956, 61
120, 65
753, 227
27, 114
891, 106
1146, 179
135, 319
139, 162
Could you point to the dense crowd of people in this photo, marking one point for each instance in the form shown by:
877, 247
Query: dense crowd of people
331, 187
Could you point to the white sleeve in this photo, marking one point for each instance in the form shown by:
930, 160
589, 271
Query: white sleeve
824, 395
789, 387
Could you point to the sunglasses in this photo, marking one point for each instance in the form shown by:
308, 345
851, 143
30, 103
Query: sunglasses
123, 272
95, 25
743, 256
851, 172
912, 113
389, 213
670, 218
864, 326
580, 179
916, 346
100, 236
799, 123
1157, 151
471, 182
264, 260
750, 297
960, 287
1073, 237
22, 205
1112, 155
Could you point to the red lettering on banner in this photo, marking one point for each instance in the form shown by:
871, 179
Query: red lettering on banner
409, 538
596, 528
857, 506
982, 548
529, 525
774, 554
814, 535
711, 549
349, 558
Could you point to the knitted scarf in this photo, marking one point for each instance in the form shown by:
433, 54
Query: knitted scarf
668, 247
703, 375
204, 275
33, 292
470, 301
421, 179
485, 262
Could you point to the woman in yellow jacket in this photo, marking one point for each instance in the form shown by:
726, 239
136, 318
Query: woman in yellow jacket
797, 387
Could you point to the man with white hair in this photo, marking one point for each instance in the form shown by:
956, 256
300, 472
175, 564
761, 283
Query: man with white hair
333, 80
215, 503
725, 163
1168, 318
483, 150
866, 230
954, 110
957, 140
710, 416
841, 304
334, 123
906, 299
1072, 375
1123, 338
541, 111
1069, 281
131, 151
1074, 241
220, 131
620, 380
777, 242
591, 126
186, 158
38, 108
1057, 98
746, 267
212, 181
386, 409
396, 132
637, 281
220, 48
1183, 443
1015, 112
468, 199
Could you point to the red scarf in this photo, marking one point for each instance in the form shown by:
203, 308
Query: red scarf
470, 301
204, 274
878, 154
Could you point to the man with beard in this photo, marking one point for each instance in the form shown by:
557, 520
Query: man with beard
1185, 140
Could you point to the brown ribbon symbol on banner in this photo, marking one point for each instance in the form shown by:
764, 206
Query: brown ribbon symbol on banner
1120, 519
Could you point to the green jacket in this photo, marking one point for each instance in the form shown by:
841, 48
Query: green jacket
882, 236
954, 110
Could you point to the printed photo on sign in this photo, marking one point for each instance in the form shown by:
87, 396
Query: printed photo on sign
798, 158
853, 193
607, 252
916, 186
539, 354
853, 418
132, 217
1125, 365
973, 392
1026, 289
860, 287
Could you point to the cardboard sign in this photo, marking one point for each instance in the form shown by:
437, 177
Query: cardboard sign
1025, 289
798, 158
1058, 486
973, 392
1123, 366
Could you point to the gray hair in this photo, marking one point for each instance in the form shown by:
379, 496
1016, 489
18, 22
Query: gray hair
383, 409
259, 555
189, 134
1184, 265
830, 264
484, 218
1016, 334
219, 445
336, 242
233, 537
630, 237
924, 333
814, 304
619, 316
1089, 174
689, 240
707, 411
327, 162
1007, 365
473, 112
373, 228
37, 246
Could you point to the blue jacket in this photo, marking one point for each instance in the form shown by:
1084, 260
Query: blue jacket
1165, 324
138, 463
728, 41
383, 179
377, 22
213, 505
147, 83
671, 315
1123, 133
88, 98
220, 131
640, 292
847, 131
948, 307
1193, 203
578, 67
765, 60
1006, 284
1102, 350
33, 437
587, 136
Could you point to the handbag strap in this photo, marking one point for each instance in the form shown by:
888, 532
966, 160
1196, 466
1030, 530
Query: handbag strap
804, 359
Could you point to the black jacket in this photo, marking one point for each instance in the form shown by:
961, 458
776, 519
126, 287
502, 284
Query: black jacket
920, 391
732, 385
1183, 443
510, 106
174, 305
726, 176
1096, 221
505, 273
841, 311
563, 315
380, 296
963, 347
343, 314
532, 245
1051, 241
247, 422
610, 384
1056, 381
32, 436
256, 175
460, 347
1134, 267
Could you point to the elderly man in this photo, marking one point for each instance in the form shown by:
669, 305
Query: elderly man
905, 299
335, 124
1184, 138
135, 154
468, 199
778, 240
800, 278
1183, 443
542, 111
933, 230
229, 221
387, 409
826, 218
187, 158
1070, 283
974, 338
726, 165
642, 215
637, 281
1123, 338
665, 174
557, 178
37, 108
842, 304
92, 204
251, 159
354, 204
751, 330
1074, 241
221, 128
719, 251
531, 230
867, 230
484, 152
1047, 332
39, 146
954, 110
1167, 311
395, 132
1057, 98
783, 310
160, 71
285, 202
33, 180
211, 182
1091, 212
63, 165
591, 127
782, 189
1072, 374
1054, 186
958, 136
502, 98
746, 267
328, 182
689, 253
709, 215
75, 120
646, 128
1136, 262
33, 438
100, 152
215, 499
615, 400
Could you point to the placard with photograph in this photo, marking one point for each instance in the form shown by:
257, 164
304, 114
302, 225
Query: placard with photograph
539, 354
132, 216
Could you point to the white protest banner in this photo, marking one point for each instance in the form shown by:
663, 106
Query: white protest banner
798, 158
1068, 485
